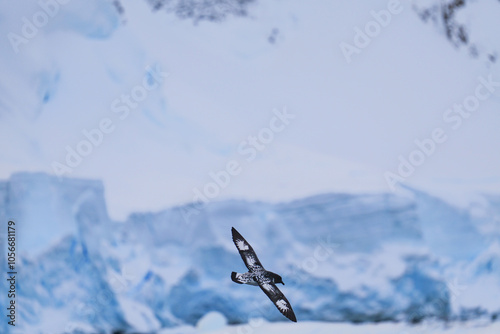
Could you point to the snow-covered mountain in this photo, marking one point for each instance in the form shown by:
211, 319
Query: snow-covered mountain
161, 88
343, 257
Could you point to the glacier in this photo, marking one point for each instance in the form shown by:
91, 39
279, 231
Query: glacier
363, 258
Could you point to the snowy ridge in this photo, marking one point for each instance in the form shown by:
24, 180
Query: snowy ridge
45, 88
368, 258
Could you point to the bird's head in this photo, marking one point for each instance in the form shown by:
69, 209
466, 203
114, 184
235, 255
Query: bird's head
278, 279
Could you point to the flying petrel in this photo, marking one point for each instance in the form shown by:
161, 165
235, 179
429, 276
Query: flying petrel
257, 275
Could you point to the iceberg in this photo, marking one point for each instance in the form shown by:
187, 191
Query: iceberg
356, 258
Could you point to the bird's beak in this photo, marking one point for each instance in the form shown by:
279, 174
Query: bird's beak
282, 283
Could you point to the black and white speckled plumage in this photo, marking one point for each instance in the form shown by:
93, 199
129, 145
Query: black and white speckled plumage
257, 275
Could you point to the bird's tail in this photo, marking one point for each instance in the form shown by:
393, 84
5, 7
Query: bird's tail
235, 277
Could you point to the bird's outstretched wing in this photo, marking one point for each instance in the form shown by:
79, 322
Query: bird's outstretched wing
279, 299
246, 251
